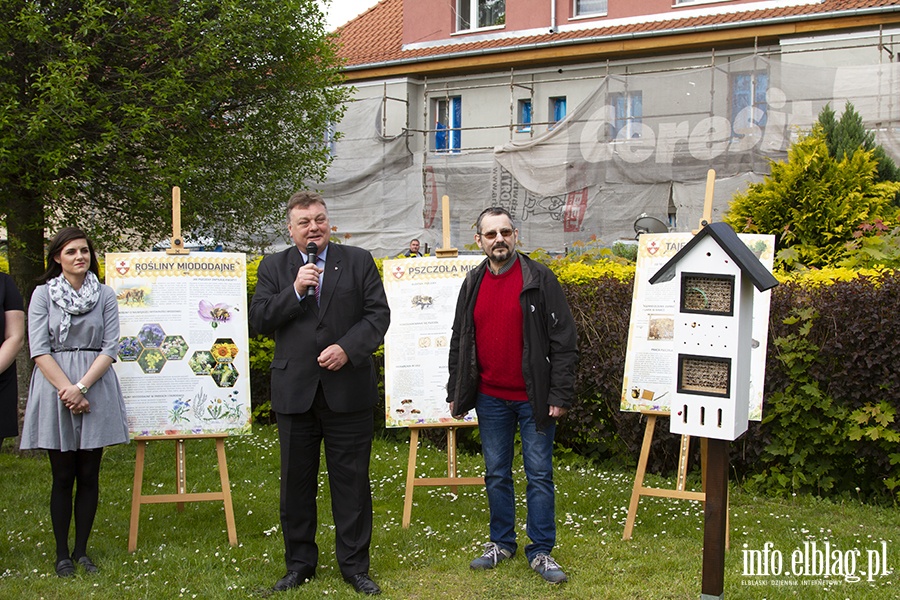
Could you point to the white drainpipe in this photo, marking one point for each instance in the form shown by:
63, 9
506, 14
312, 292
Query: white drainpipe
552, 16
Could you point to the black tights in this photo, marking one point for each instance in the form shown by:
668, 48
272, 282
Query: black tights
82, 466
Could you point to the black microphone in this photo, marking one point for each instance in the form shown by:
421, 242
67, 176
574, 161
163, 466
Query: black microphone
311, 251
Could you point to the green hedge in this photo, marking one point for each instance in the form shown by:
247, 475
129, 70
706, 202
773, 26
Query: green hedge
830, 397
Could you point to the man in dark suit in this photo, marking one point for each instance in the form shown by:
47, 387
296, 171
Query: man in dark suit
328, 317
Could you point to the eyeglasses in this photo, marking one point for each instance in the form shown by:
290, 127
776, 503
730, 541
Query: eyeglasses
489, 235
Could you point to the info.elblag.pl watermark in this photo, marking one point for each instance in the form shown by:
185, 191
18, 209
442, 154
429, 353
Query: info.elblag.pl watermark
814, 564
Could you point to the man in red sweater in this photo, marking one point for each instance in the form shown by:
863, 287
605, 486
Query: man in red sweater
512, 358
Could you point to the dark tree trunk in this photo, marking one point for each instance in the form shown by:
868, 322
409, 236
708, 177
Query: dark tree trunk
25, 230
25, 227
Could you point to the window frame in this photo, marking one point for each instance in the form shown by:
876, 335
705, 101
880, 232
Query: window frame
740, 99
576, 12
553, 114
449, 139
625, 118
473, 12
330, 138
524, 116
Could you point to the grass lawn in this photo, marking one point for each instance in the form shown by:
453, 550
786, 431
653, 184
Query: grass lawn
187, 555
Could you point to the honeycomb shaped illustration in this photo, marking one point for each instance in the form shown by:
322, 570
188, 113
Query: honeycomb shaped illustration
224, 374
224, 350
151, 348
174, 347
129, 348
217, 362
201, 362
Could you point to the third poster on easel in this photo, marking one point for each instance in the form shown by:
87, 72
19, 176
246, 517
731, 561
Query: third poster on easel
183, 359
649, 378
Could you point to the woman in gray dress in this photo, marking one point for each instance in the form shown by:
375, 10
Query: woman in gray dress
75, 405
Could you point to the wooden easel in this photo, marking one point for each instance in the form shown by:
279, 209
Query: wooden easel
181, 496
639, 489
451, 479
679, 493
412, 482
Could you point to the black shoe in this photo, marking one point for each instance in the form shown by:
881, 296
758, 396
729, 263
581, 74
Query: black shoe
88, 564
293, 579
65, 567
363, 584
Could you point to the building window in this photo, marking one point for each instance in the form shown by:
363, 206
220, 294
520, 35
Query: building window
524, 116
474, 14
330, 138
748, 100
590, 7
629, 110
447, 123
557, 110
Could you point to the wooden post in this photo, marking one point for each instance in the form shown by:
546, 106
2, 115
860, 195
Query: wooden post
177, 242
707, 200
445, 251
180, 472
715, 521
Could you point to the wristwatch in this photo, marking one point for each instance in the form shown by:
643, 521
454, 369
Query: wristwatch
82, 388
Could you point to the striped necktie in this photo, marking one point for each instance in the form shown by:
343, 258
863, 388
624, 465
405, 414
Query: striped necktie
319, 263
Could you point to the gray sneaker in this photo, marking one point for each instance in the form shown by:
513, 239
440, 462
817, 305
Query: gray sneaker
549, 569
493, 554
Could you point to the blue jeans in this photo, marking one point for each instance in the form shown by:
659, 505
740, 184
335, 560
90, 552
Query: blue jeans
497, 420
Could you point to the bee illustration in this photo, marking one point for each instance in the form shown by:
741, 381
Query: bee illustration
422, 302
220, 314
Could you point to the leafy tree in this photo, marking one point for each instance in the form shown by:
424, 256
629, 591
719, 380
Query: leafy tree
107, 104
814, 203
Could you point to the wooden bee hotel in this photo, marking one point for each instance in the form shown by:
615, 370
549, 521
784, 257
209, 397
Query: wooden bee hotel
716, 273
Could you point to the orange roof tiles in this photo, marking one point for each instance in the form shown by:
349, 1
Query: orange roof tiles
375, 37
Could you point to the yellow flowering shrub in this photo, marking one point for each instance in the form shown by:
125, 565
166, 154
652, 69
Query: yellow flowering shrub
580, 273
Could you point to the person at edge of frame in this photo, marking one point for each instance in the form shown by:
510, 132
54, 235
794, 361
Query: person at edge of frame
12, 338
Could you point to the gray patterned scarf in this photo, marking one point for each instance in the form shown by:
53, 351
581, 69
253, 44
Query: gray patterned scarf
73, 302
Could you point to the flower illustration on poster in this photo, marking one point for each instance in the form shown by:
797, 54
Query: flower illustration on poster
201, 362
174, 347
179, 412
129, 348
215, 313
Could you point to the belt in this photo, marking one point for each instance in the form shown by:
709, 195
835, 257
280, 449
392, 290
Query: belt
76, 349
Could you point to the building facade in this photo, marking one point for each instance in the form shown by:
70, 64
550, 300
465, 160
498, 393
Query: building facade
580, 115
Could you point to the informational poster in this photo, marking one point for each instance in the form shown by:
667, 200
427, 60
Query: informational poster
422, 293
183, 358
649, 379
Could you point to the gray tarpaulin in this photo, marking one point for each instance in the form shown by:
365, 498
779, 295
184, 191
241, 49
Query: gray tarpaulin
589, 178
